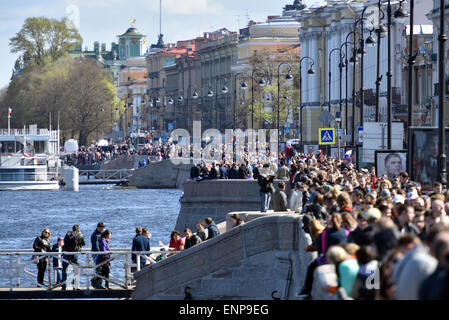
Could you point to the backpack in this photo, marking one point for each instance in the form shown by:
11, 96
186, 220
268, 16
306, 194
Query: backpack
71, 242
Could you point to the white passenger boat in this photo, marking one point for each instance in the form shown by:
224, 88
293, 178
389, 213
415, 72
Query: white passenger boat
29, 159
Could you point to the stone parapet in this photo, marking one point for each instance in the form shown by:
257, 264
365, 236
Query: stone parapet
216, 198
261, 258
160, 175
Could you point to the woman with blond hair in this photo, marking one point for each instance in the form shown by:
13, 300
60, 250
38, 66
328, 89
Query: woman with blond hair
346, 267
42, 244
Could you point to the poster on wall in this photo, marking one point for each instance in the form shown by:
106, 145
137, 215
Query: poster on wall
425, 155
311, 148
334, 153
390, 162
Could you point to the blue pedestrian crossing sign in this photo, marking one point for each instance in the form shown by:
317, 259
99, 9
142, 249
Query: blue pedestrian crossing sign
326, 135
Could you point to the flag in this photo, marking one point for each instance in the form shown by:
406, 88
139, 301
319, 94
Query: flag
348, 155
9, 111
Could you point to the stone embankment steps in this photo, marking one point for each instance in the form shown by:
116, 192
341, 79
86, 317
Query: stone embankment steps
252, 261
215, 198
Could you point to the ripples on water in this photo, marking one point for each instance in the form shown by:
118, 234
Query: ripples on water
25, 214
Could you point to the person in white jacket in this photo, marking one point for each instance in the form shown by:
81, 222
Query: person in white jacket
296, 198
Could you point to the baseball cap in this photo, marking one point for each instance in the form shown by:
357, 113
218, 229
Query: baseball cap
412, 195
398, 198
385, 193
371, 213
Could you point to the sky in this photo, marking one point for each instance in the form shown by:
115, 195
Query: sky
103, 20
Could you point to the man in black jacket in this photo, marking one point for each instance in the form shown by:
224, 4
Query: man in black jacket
266, 190
233, 173
191, 239
243, 172
73, 242
140, 243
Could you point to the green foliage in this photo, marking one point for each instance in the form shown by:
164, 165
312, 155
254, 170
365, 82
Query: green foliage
78, 90
42, 40
266, 98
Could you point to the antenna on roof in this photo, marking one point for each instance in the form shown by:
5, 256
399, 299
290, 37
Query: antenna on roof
160, 16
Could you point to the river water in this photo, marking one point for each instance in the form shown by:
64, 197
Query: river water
25, 214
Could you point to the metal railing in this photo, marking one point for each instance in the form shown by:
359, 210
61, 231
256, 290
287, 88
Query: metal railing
15, 273
121, 174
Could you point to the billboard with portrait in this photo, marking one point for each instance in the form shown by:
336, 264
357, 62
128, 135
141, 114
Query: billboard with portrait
425, 155
334, 153
311, 148
390, 162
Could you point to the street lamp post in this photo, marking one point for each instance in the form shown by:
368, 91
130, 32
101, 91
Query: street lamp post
381, 33
224, 90
442, 88
346, 66
411, 62
261, 84
346, 76
244, 86
309, 72
287, 77
340, 66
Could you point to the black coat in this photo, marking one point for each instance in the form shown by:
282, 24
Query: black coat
243, 172
223, 172
193, 240
140, 243
41, 244
232, 173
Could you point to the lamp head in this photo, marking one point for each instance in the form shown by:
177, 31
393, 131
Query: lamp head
370, 41
210, 93
382, 31
195, 95
243, 86
224, 89
262, 82
400, 14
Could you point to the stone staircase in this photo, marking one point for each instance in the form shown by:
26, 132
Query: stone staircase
262, 259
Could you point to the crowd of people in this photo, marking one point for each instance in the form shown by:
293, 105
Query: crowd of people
97, 154
68, 247
387, 236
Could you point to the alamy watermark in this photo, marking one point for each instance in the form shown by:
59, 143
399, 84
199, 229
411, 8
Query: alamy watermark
233, 146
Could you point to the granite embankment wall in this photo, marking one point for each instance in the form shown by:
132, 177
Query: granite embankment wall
161, 175
128, 162
216, 198
261, 258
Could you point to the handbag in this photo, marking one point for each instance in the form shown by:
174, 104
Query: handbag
34, 257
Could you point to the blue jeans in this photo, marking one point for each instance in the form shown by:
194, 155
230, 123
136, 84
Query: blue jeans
265, 199
58, 275
74, 260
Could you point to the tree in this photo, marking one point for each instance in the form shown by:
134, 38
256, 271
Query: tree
80, 91
42, 39
266, 99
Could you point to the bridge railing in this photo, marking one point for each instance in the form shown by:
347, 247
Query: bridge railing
120, 174
15, 267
